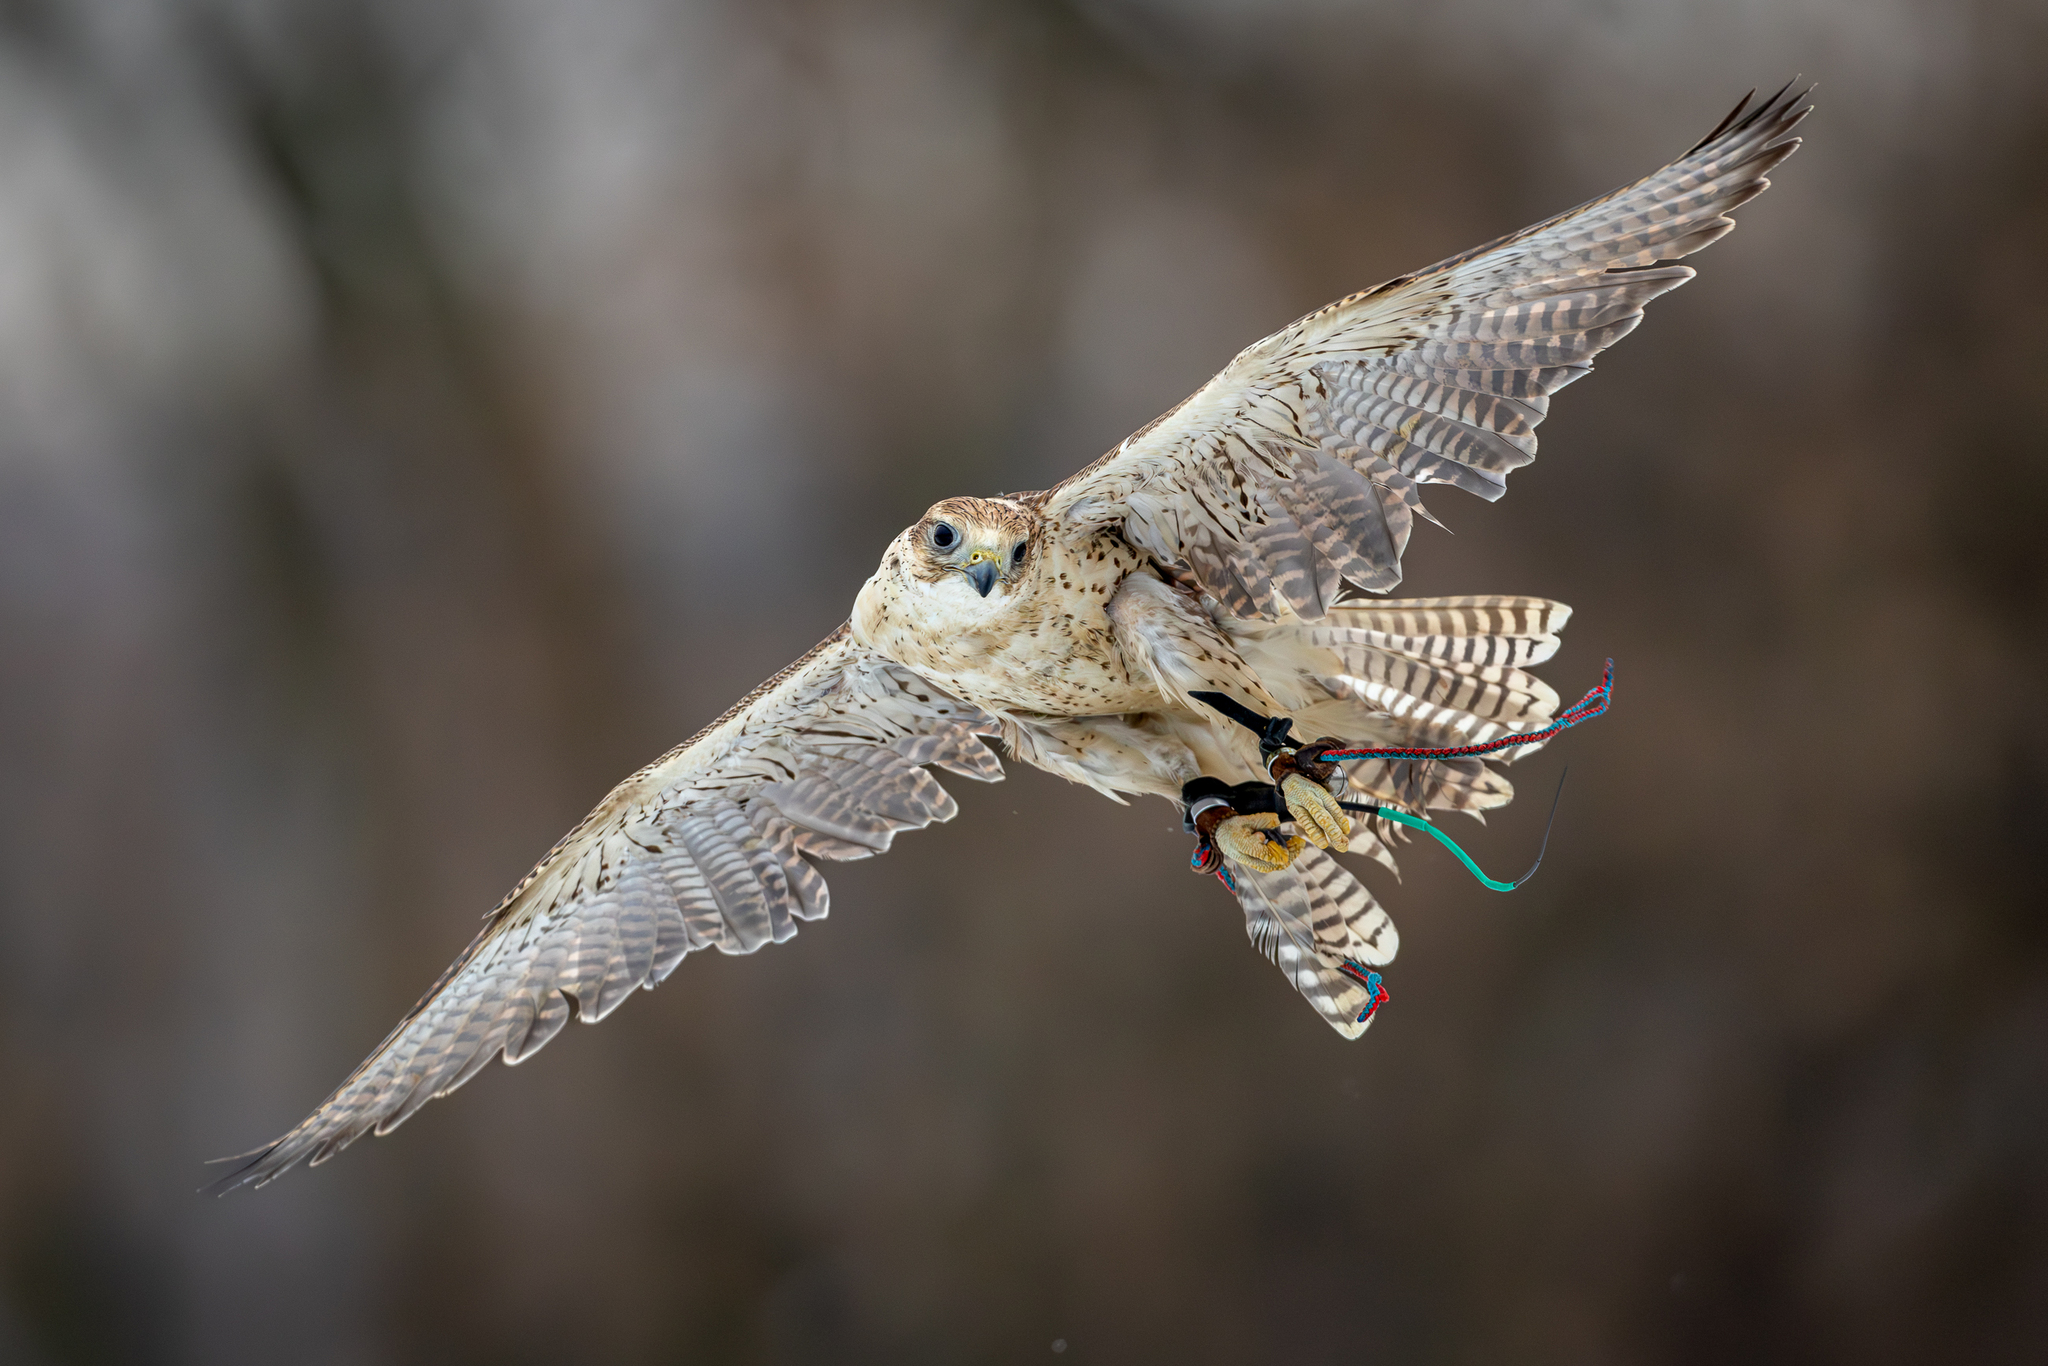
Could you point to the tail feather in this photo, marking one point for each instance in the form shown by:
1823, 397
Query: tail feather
1309, 919
1416, 672
1429, 784
1491, 692
1485, 657
1507, 616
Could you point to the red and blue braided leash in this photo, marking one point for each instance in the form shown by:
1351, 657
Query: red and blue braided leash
1586, 708
1375, 988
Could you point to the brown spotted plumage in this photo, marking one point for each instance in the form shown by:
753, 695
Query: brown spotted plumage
1227, 546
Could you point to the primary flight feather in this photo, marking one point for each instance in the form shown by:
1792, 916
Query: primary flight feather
1227, 547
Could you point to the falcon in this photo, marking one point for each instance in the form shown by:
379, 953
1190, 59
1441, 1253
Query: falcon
1233, 546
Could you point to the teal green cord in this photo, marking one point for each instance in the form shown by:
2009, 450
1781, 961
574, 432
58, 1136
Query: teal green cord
1417, 823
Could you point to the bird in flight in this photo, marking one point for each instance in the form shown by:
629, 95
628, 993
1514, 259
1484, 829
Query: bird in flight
1230, 547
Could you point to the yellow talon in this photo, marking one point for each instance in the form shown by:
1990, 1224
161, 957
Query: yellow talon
1316, 813
1247, 841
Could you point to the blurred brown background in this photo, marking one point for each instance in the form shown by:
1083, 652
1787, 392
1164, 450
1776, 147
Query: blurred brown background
415, 416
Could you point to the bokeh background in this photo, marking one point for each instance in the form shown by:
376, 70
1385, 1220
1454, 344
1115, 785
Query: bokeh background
413, 417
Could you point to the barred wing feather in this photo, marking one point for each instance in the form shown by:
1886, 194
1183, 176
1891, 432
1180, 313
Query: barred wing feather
1309, 918
1295, 471
712, 846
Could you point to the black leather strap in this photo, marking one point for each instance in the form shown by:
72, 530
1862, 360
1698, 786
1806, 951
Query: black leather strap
1245, 799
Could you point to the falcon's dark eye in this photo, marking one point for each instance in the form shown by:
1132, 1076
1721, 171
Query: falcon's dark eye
1017, 555
944, 537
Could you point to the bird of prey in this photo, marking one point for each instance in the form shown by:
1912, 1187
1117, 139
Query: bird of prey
1232, 546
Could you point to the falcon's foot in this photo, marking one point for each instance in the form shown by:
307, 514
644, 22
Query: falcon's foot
1250, 840
1316, 813
1306, 782
1240, 822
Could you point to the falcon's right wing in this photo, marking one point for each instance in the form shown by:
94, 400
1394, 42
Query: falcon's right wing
710, 846
1291, 478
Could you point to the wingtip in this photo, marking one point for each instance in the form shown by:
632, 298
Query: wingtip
259, 1166
1778, 110
248, 1173
1727, 122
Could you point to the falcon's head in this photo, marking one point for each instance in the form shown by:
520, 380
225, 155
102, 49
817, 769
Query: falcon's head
961, 564
982, 543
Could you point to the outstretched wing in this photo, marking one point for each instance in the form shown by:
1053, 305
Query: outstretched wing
1295, 470
711, 846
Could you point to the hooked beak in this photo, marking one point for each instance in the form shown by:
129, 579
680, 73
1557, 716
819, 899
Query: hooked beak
981, 568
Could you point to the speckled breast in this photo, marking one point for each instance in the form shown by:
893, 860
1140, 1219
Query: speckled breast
1053, 653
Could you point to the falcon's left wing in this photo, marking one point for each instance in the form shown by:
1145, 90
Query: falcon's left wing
1294, 471
710, 846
